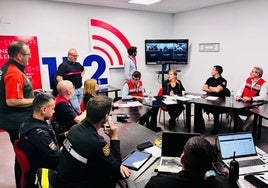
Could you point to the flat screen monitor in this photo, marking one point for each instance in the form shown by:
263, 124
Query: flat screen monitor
166, 51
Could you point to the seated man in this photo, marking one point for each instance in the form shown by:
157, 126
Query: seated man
254, 89
65, 114
196, 160
87, 160
133, 89
214, 86
37, 138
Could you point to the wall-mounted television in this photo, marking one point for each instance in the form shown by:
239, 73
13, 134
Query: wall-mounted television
166, 51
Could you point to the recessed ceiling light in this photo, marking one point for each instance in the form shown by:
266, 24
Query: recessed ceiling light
144, 2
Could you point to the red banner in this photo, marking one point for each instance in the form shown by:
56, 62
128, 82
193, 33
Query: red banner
33, 68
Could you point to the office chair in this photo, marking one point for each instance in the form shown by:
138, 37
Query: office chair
164, 109
23, 163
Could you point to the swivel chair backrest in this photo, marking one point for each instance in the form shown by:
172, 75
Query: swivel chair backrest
23, 163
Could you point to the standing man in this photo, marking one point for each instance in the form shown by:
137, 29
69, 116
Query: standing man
130, 64
254, 89
73, 71
214, 86
16, 93
87, 160
37, 138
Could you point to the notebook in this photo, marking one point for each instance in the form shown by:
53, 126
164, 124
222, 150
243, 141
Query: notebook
245, 152
172, 148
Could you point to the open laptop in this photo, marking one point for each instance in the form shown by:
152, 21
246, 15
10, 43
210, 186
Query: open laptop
245, 152
172, 148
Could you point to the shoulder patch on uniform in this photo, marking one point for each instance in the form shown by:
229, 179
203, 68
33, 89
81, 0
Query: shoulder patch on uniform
52, 145
224, 83
106, 150
38, 130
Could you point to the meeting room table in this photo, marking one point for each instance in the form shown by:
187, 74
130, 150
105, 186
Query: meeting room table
260, 112
233, 106
158, 101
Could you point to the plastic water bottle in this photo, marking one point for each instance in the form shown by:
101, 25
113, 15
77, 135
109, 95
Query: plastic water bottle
150, 96
232, 97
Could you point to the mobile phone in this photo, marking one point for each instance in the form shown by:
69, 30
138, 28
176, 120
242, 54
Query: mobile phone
219, 168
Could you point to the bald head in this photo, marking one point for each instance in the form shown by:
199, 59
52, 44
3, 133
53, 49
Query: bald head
64, 87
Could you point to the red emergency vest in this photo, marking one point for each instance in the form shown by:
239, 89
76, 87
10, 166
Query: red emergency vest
252, 90
135, 91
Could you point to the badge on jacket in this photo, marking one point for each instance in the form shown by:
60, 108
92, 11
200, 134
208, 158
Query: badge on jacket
106, 150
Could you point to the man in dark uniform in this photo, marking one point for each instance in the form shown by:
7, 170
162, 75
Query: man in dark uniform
86, 159
73, 71
214, 86
196, 160
37, 138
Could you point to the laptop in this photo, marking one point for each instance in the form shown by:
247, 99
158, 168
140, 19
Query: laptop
245, 152
172, 148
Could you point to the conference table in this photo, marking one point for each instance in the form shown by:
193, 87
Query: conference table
231, 105
158, 101
260, 112
131, 134
108, 89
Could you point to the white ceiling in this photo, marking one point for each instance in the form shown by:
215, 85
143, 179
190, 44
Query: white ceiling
165, 6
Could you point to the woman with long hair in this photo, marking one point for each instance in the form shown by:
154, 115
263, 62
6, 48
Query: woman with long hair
90, 89
173, 86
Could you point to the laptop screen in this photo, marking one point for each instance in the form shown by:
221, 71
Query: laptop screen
240, 143
173, 143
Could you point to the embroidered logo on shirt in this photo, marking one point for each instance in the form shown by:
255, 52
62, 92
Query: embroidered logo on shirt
52, 145
106, 150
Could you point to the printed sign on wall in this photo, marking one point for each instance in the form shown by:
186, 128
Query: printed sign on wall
33, 68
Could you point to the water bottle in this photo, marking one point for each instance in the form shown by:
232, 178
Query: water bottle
232, 97
150, 95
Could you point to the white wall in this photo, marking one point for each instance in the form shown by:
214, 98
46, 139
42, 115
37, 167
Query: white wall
241, 29
60, 26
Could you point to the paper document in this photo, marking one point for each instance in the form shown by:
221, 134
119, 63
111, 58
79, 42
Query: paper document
169, 102
155, 151
193, 96
183, 98
213, 98
130, 104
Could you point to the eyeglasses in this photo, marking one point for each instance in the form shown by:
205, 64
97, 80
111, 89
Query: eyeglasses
74, 55
27, 54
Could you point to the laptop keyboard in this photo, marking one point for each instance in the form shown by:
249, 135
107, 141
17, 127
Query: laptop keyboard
253, 162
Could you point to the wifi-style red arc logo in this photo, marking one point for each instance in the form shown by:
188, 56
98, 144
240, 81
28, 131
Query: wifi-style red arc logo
111, 29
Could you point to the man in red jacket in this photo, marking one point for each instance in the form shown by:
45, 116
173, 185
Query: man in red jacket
254, 89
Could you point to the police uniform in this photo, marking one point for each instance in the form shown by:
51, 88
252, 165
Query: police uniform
211, 82
87, 160
38, 141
